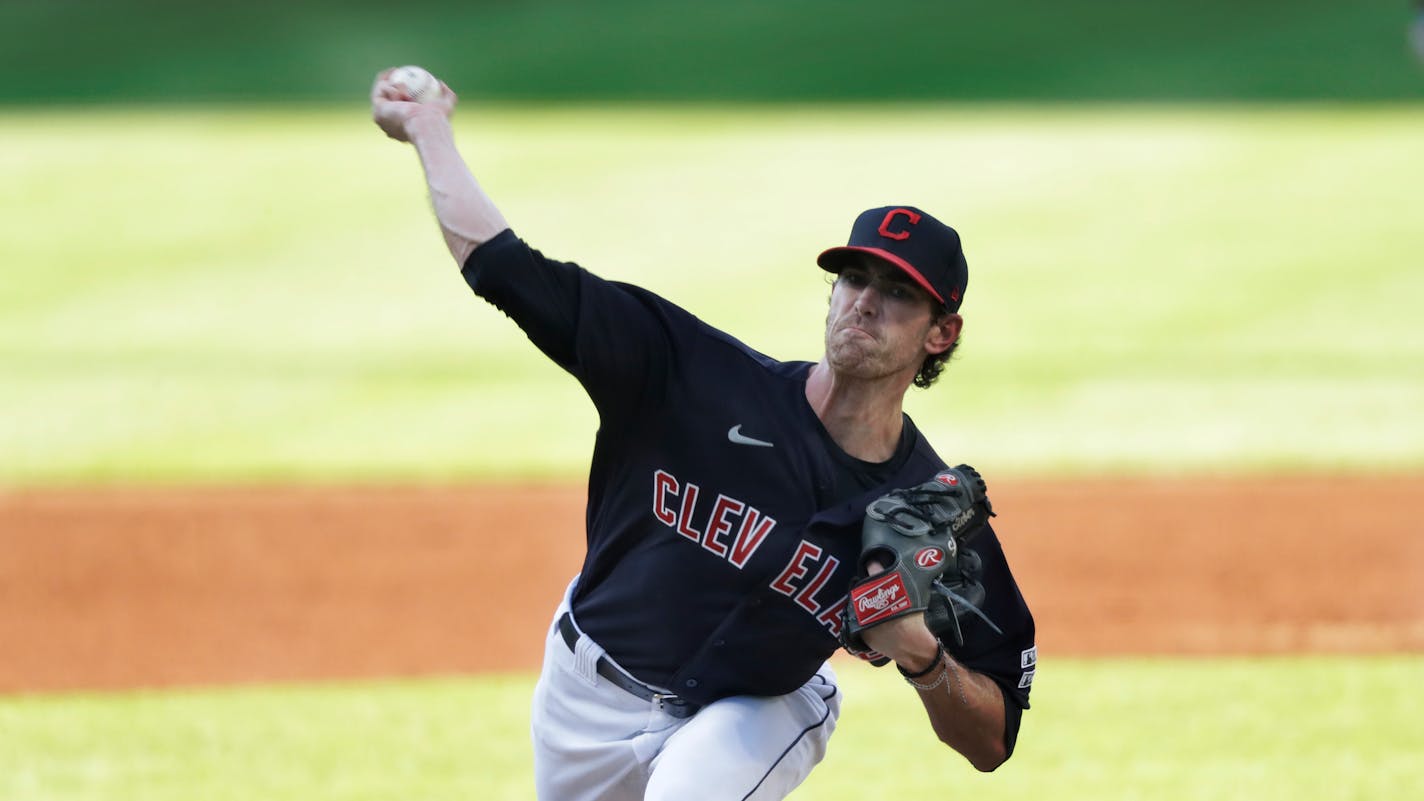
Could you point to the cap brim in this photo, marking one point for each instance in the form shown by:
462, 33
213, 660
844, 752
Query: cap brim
834, 259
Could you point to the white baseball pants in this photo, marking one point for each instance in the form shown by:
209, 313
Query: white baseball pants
594, 741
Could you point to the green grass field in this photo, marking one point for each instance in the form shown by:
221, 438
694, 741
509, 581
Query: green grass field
1264, 730
250, 295
198, 293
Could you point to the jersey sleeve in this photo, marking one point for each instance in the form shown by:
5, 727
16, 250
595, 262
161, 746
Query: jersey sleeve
616, 339
1000, 644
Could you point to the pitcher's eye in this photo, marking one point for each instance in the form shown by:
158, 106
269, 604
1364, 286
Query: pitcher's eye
855, 278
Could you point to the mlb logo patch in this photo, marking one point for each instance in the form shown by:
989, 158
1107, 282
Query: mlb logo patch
1029, 658
1027, 680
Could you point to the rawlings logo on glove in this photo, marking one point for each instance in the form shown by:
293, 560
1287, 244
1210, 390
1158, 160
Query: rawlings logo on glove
880, 599
917, 535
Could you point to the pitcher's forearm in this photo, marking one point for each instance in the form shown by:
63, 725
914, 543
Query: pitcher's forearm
468, 217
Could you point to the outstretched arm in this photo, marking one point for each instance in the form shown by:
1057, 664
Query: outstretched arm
467, 216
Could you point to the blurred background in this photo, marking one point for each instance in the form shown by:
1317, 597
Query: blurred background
258, 444
793, 50
1193, 228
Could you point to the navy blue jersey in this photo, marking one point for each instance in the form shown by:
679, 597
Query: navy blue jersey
723, 522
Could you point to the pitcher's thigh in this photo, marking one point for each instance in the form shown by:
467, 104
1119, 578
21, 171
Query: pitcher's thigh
748, 748
592, 741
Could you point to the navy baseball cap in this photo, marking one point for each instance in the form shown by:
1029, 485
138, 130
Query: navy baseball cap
926, 249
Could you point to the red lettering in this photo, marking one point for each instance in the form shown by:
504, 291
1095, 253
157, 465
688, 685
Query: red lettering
796, 568
755, 527
831, 618
719, 524
890, 217
675, 503
663, 485
804, 598
689, 500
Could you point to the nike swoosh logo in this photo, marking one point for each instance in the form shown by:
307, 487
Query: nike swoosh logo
735, 435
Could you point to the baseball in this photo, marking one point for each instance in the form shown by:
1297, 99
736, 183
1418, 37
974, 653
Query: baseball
418, 83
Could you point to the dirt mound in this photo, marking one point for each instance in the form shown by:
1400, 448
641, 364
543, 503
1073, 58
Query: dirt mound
148, 587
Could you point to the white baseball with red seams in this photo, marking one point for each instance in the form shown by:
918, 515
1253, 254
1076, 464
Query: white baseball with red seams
418, 82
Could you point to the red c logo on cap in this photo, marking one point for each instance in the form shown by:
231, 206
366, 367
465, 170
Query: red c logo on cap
889, 217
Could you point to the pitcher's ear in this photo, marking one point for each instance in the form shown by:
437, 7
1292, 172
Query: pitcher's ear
943, 333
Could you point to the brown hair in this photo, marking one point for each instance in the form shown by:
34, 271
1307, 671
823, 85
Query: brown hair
934, 363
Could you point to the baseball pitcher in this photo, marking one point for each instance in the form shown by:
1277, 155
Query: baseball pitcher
747, 517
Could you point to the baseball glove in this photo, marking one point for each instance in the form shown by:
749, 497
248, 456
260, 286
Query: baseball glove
918, 535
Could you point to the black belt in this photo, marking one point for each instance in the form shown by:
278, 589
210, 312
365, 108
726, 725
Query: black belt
673, 705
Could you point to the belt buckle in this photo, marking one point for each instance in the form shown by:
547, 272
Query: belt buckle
666, 700
675, 705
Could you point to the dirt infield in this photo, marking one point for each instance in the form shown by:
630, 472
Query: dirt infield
123, 588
